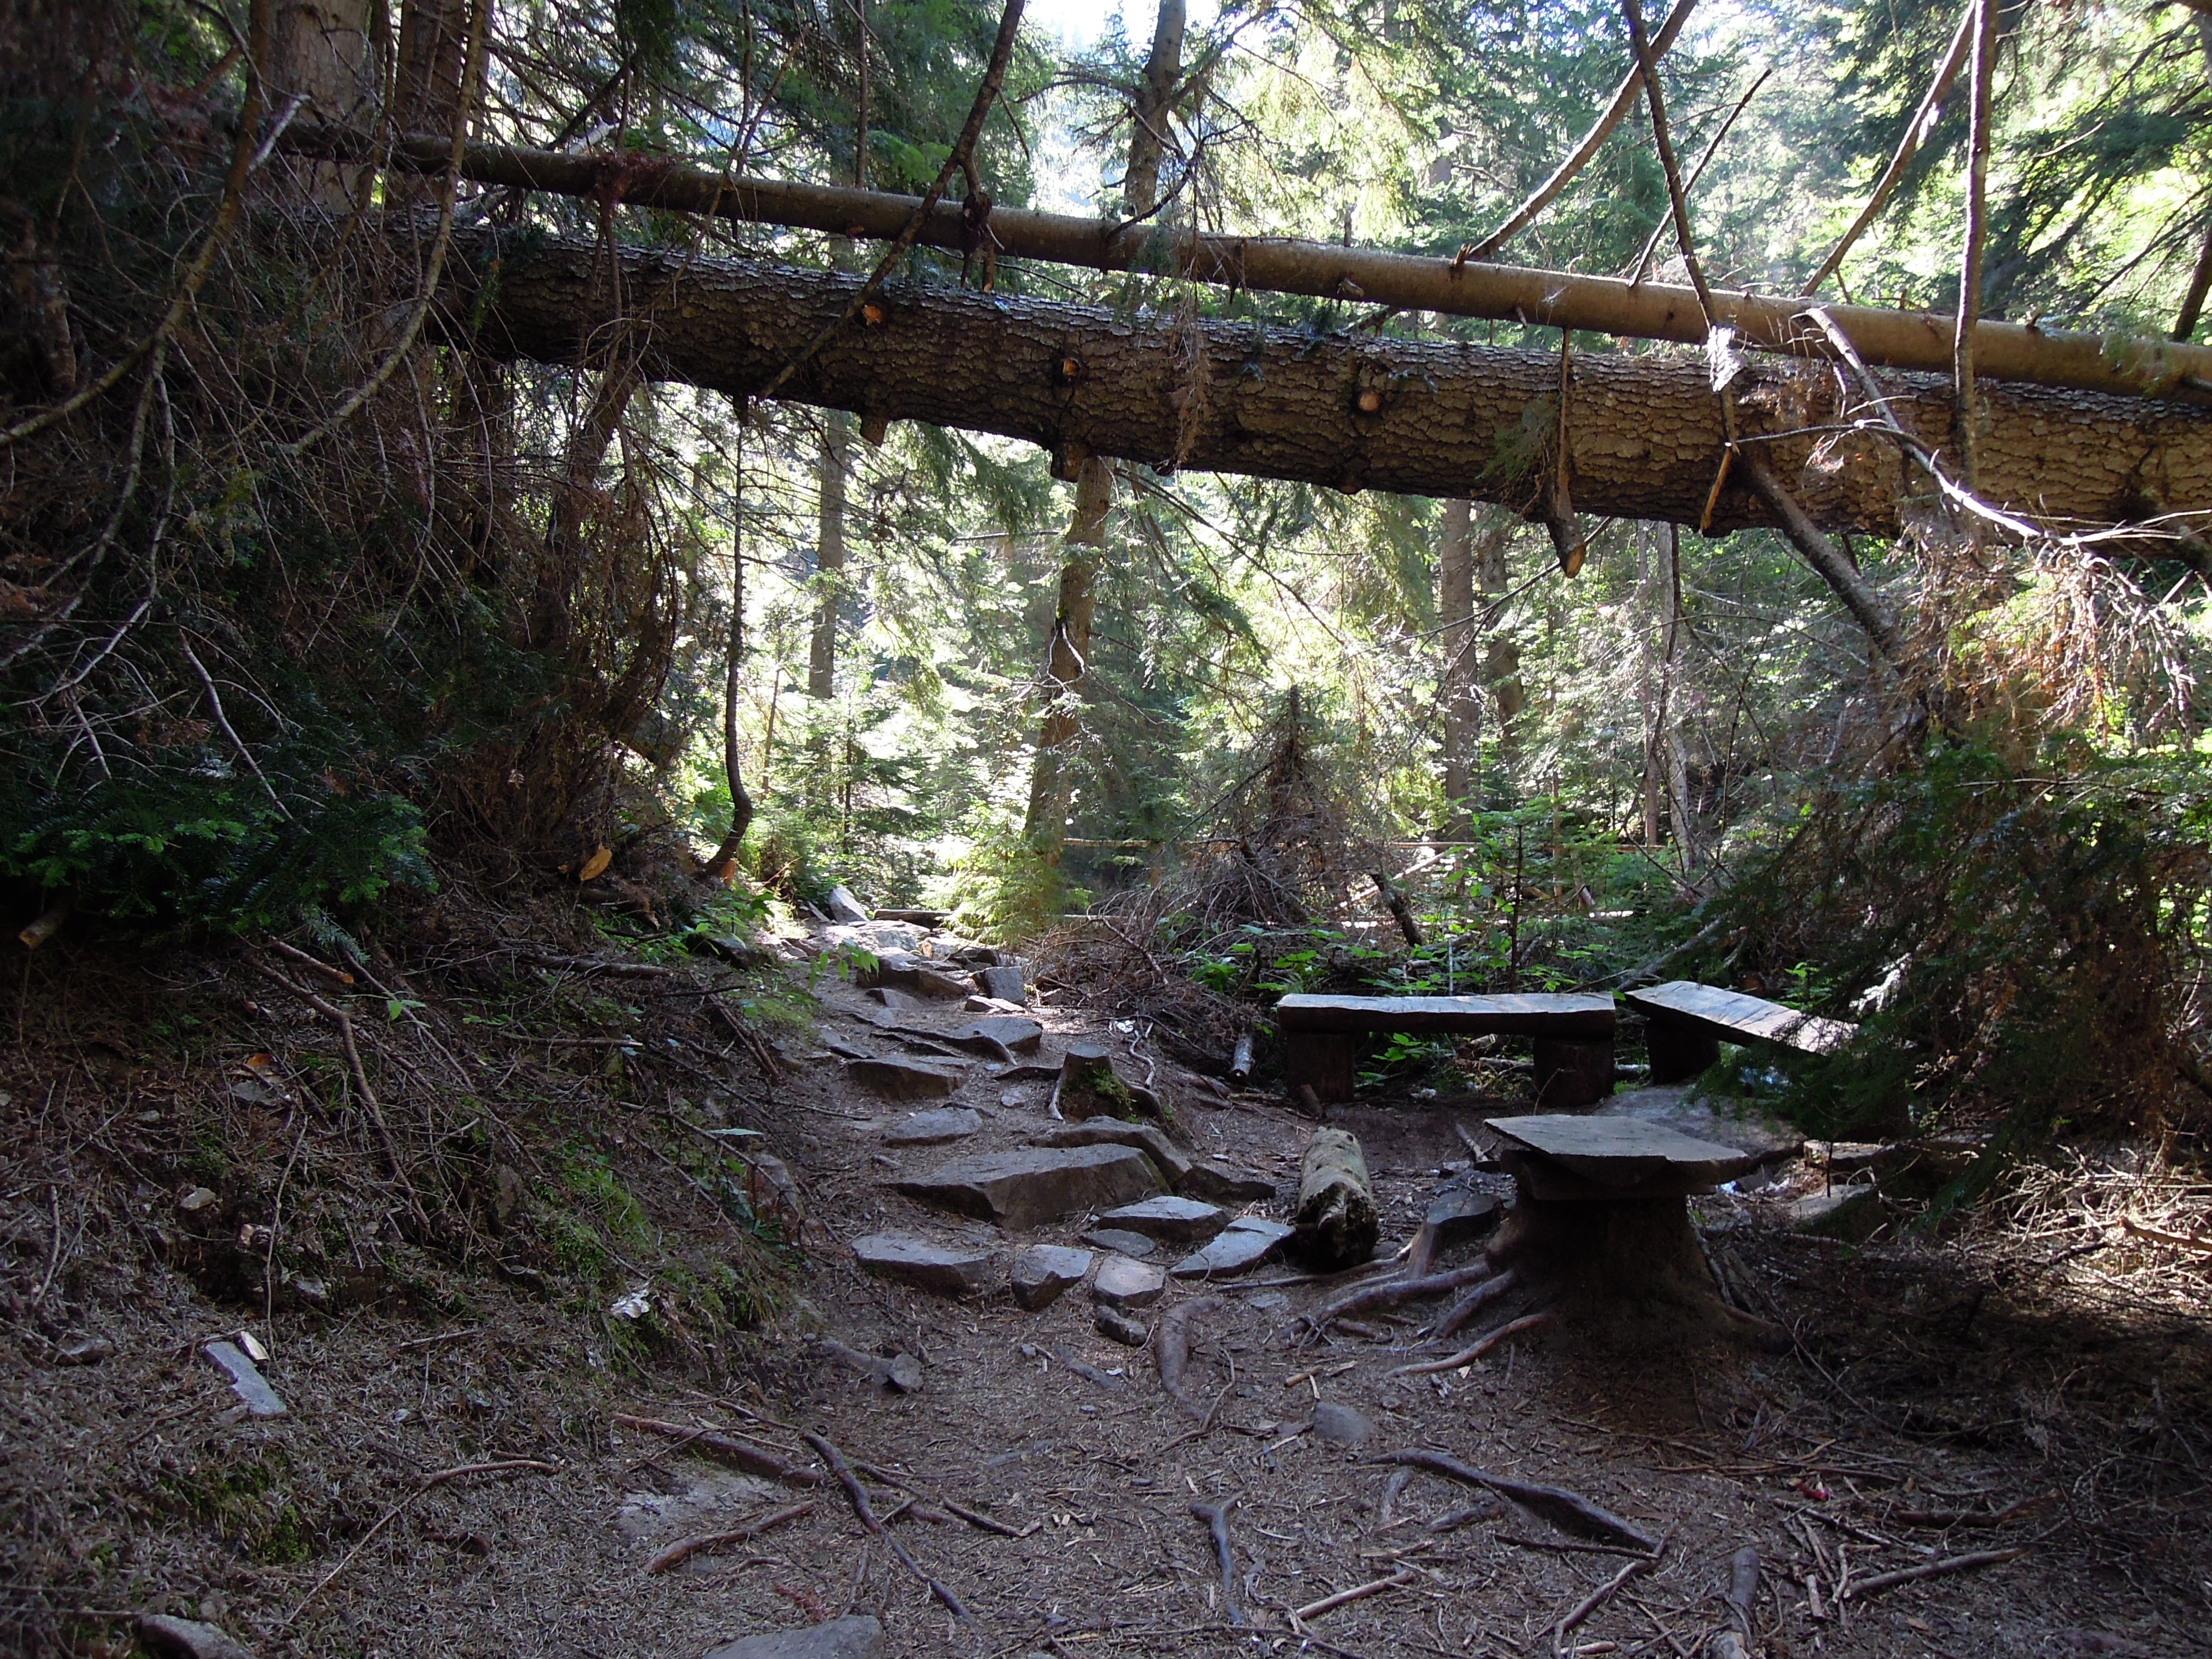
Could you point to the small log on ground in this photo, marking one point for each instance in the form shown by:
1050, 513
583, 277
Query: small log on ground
1336, 1221
1172, 1349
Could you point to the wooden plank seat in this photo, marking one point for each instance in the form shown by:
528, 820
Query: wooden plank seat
1579, 1159
1573, 1033
1690, 1021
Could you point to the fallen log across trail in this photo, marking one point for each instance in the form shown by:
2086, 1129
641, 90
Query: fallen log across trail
1644, 434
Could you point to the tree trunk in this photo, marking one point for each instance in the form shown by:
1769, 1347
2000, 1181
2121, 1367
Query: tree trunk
324, 54
1643, 434
723, 866
830, 556
427, 82
575, 495
1151, 113
1066, 659
1462, 698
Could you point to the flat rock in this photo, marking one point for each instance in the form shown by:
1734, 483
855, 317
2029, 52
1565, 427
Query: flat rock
1043, 1272
1114, 1238
1122, 1283
1013, 1031
1218, 1182
1005, 983
932, 1128
246, 1379
1030, 1188
1841, 1212
980, 1004
1341, 1424
1169, 1159
880, 938
907, 1079
913, 1260
853, 1638
1245, 1242
1117, 1327
898, 1001
186, 1638
1171, 1220
900, 971
843, 907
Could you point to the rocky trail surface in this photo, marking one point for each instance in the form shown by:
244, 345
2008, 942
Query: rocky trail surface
1051, 1385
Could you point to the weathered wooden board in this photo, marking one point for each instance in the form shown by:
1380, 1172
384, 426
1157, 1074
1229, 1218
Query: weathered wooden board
1561, 1014
1624, 1151
1739, 1016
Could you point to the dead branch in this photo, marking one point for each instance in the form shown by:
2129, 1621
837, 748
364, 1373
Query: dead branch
1598, 1597
1567, 1511
1171, 1347
738, 1453
1397, 1580
857, 1495
497, 1466
1862, 1588
685, 1548
1089, 1373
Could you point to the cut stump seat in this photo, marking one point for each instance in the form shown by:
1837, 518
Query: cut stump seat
1573, 1033
1690, 1021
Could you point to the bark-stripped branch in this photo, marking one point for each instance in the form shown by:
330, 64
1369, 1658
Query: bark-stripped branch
1406, 282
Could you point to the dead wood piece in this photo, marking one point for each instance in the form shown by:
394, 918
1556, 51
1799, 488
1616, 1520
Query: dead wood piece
1216, 1516
1858, 1589
2135, 1229
1392, 1293
1240, 1059
47, 924
685, 1548
1336, 1219
1474, 1302
1735, 1642
497, 1466
1568, 1511
1970, 1518
1401, 911
984, 1522
1105, 1379
1171, 1347
857, 1495
1397, 1580
1482, 1346
738, 1453
1474, 1514
901, 1373
1596, 1599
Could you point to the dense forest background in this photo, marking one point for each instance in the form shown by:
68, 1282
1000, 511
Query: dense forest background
309, 608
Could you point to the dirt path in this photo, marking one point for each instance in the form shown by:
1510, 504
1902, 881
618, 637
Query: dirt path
1839, 1463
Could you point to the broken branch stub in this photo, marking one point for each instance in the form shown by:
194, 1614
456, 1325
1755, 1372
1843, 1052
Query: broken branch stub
1090, 1087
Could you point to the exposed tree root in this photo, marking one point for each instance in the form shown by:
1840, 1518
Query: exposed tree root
1568, 1511
1468, 1356
1480, 1298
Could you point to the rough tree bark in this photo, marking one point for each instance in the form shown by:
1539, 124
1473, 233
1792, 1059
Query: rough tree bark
723, 866
830, 554
1458, 639
1644, 434
1045, 826
324, 55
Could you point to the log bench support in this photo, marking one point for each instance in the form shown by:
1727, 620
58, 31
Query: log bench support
1690, 1021
1573, 1035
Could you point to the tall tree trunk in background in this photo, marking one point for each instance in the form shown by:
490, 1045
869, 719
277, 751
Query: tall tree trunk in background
1462, 698
1046, 826
1662, 591
575, 496
426, 82
1151, 113
1501, 656
724, 864
829, 555
325, 55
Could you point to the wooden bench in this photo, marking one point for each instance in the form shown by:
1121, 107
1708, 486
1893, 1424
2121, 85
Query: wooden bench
1573, 1034
1690, 1021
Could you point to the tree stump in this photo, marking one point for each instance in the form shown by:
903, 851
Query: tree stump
1090, 1087
1336, 1221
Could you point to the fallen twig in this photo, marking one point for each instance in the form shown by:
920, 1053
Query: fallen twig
1974, 1518
1358, 1593
1568, 1511
2136, 1229
1089, 1373
1938, 1569
753, 1460
857, 1495
1468, 1356
685, 1548
497, 1466
1597, 1598
1216, 1516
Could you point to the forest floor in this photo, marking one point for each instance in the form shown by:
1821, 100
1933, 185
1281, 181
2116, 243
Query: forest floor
2038, 1383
